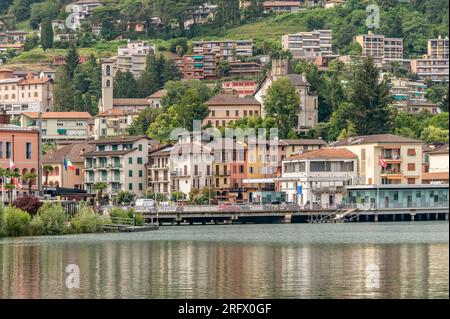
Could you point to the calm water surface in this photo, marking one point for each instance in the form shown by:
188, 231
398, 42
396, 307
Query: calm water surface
391, 260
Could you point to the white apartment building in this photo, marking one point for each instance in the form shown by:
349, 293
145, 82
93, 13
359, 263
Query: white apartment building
81, 10
435, 64
133, 57
120, 162
308, 45
158, 171
319, 176
59, 126
30, 94
113, 123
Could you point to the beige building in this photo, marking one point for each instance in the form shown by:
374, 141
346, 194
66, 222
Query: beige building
120, 162
158, 171
291, 147
228, 50
133, 57
308, 45
155, 100
30, 94
307, 116
225, 108
383, 50
437, 165
113, 123
435, 64
403, 158
59, 176
59, 127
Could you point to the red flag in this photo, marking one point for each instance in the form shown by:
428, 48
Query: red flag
382, 162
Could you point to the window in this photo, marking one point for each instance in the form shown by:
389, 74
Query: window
228, 113
130, 173
108, 70
213, 113
236, 113
251, 170
140, 186
140, 147
225, 181
8, 149
77, 172
411, 167
130, 160
1, 149
140, 173
411, 180
130, 186
139, 160
411, 152
28, 150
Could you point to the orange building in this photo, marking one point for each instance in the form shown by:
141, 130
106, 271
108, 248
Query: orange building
20, 146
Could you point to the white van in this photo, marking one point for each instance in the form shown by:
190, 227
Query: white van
144, 205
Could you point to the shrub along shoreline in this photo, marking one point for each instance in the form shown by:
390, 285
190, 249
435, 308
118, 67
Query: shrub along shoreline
51, 219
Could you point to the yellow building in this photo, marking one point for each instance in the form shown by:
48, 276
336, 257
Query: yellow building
403, 158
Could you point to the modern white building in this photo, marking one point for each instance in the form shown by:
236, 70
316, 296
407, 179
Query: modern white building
133, 57
309, 45
81, 10
319, 176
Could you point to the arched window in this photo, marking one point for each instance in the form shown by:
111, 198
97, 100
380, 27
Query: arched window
24, 171
50, 183
108, 83
108, 70
56, 171
34, 181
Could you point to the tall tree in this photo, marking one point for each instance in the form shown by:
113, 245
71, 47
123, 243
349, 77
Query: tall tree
46, 34
63, 91
72, 60
282, 103
370, 99
125, 85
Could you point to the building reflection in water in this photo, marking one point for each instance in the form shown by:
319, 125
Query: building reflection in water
189, 269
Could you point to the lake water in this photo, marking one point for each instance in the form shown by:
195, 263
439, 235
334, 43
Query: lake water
360, 260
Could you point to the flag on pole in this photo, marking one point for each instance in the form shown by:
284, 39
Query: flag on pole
382, 162
12, 166
68, 164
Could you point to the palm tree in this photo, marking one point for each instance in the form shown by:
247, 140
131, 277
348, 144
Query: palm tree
29, 177
47, 170
99, 187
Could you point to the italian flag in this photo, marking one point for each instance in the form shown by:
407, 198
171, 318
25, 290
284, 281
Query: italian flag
68, 164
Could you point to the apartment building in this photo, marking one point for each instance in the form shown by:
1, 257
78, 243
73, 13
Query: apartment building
120, 162
59, 127
229, 50
199, 66
81, 10
113, 123
21, 146
239, 88
59, 176
319, 176
309, 45
225, 108
17, 36
133, 57
437, 165
386, 158
244, 69
291, 147
191, 162
382, 49
29, 94
281, 6
435, 65
158, 171
307, 115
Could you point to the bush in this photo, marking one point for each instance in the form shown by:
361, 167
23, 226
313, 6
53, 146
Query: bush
28, 204
53, 219
2, 222
125, 197
15, 221
88, 221
117, 212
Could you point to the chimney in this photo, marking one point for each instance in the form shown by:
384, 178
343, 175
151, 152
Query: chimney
5, 118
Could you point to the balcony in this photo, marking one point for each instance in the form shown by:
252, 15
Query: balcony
391, 172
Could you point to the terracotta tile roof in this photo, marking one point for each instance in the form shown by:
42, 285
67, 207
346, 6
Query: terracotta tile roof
72, 152
118, 139
59, 115
35, 81
109, 153
229, 99
11, 45
130, 102
305, 141
158, 94
325, 153
443, 149
372, 139
113, 112
438, 176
